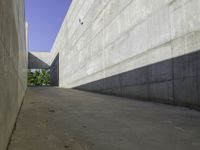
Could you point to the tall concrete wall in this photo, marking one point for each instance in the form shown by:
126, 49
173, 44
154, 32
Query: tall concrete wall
147, 49
13, 65
54, 72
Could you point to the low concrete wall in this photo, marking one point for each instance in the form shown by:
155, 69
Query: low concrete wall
113, 43
13, 64
38, 60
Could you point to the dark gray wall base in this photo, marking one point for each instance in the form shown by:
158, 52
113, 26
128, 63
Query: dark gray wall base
36, 63
175, 81
54, 72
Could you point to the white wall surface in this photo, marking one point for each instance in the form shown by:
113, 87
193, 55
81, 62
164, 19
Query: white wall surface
13, 64
44, 56
118, 36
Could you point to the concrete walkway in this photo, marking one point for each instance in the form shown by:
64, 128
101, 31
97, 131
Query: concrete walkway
60, 119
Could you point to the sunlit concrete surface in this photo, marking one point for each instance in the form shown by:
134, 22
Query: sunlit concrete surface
59, 119
145, 49
13, 65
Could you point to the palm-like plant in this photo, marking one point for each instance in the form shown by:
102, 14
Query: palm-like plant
44, 77
38, 78
31, 80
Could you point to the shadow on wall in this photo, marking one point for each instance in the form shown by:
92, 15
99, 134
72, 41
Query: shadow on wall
36, 63
174, 81
54, 72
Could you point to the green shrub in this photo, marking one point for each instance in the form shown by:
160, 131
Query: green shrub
38, 78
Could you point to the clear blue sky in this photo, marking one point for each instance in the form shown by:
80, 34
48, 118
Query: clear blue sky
45, 18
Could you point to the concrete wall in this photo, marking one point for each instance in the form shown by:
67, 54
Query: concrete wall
54, 72
13, 64
38, 60
144, 49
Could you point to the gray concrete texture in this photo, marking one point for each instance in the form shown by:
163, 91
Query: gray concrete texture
173, 81
54, 72
147, 49
13, 65
59, 119
116, 36
131, 48
38, 60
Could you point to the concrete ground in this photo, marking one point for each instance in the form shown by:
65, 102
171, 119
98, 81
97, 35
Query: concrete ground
60, 119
